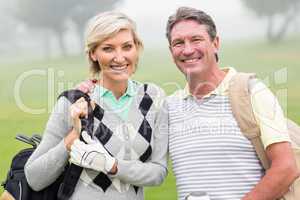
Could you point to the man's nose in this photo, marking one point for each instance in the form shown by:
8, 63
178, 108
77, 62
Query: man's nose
188, 49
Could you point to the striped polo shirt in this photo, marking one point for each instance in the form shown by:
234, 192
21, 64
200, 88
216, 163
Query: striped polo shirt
208, 150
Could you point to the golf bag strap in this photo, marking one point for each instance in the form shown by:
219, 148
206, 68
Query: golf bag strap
73, 172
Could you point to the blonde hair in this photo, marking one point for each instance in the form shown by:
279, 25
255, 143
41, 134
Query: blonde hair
103, 26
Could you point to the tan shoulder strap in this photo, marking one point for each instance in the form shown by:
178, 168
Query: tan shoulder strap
240, 100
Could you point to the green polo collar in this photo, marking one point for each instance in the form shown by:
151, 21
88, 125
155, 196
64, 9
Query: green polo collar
129, 92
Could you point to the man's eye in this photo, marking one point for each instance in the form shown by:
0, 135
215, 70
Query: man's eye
197, 40
177, 44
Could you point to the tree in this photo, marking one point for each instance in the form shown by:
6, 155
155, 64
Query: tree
51, 16
45, 14
7, 29
83, 10
270, 9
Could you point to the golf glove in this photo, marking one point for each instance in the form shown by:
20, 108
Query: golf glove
91, 155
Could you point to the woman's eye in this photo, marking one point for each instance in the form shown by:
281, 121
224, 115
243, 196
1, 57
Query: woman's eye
107, 49
127, 47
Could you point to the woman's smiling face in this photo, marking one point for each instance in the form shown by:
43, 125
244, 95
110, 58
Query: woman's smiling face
117, 56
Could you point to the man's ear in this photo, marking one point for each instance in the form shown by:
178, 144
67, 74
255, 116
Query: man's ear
216, 43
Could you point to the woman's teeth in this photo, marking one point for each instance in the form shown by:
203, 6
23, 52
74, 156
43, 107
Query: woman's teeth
119, 67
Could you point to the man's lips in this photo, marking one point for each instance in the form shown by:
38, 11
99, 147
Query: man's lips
192, 59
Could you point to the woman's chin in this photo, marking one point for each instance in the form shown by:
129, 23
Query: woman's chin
122, 77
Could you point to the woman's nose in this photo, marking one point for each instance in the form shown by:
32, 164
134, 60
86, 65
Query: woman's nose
119, 57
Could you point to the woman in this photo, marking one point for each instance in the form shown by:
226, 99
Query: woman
132, 150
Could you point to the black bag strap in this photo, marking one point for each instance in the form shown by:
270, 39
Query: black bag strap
73, 172
73, 96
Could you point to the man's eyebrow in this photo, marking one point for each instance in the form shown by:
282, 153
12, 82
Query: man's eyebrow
197, 36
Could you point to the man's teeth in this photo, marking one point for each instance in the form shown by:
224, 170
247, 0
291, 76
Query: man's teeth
191, 60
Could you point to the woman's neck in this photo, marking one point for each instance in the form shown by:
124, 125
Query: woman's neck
118, 88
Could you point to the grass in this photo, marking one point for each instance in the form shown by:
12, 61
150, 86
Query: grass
268, 61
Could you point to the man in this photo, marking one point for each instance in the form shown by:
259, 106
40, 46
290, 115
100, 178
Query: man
208, 151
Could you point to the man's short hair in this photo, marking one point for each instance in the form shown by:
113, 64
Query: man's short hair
187, 13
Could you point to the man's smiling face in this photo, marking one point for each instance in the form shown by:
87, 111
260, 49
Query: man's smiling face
192, 48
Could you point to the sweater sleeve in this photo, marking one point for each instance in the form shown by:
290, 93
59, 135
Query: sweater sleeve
268, 114
50, 157
153, 171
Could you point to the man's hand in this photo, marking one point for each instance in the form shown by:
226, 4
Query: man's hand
279, 177
86, 86
91, 155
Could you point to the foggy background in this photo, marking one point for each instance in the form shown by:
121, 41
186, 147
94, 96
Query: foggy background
34, 29
41, 55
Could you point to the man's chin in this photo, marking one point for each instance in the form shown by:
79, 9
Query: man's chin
191, 71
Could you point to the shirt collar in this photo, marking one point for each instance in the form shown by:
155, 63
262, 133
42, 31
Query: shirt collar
102, 91
222, 88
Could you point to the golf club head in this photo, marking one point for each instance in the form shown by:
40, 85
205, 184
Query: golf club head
36, 138
26, 139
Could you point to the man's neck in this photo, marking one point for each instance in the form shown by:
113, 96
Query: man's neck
206, 82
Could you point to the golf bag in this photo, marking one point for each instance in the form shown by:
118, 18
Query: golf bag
16, 186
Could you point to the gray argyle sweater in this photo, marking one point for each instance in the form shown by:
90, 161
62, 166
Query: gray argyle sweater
126, 142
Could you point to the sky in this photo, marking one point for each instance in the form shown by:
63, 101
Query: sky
233, 20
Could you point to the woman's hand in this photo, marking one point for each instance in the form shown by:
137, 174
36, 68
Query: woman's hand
70, 138
77, 110
92, 155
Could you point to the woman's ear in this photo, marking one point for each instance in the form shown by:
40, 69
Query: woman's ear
93, 56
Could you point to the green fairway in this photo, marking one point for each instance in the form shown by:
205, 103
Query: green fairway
270, 62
